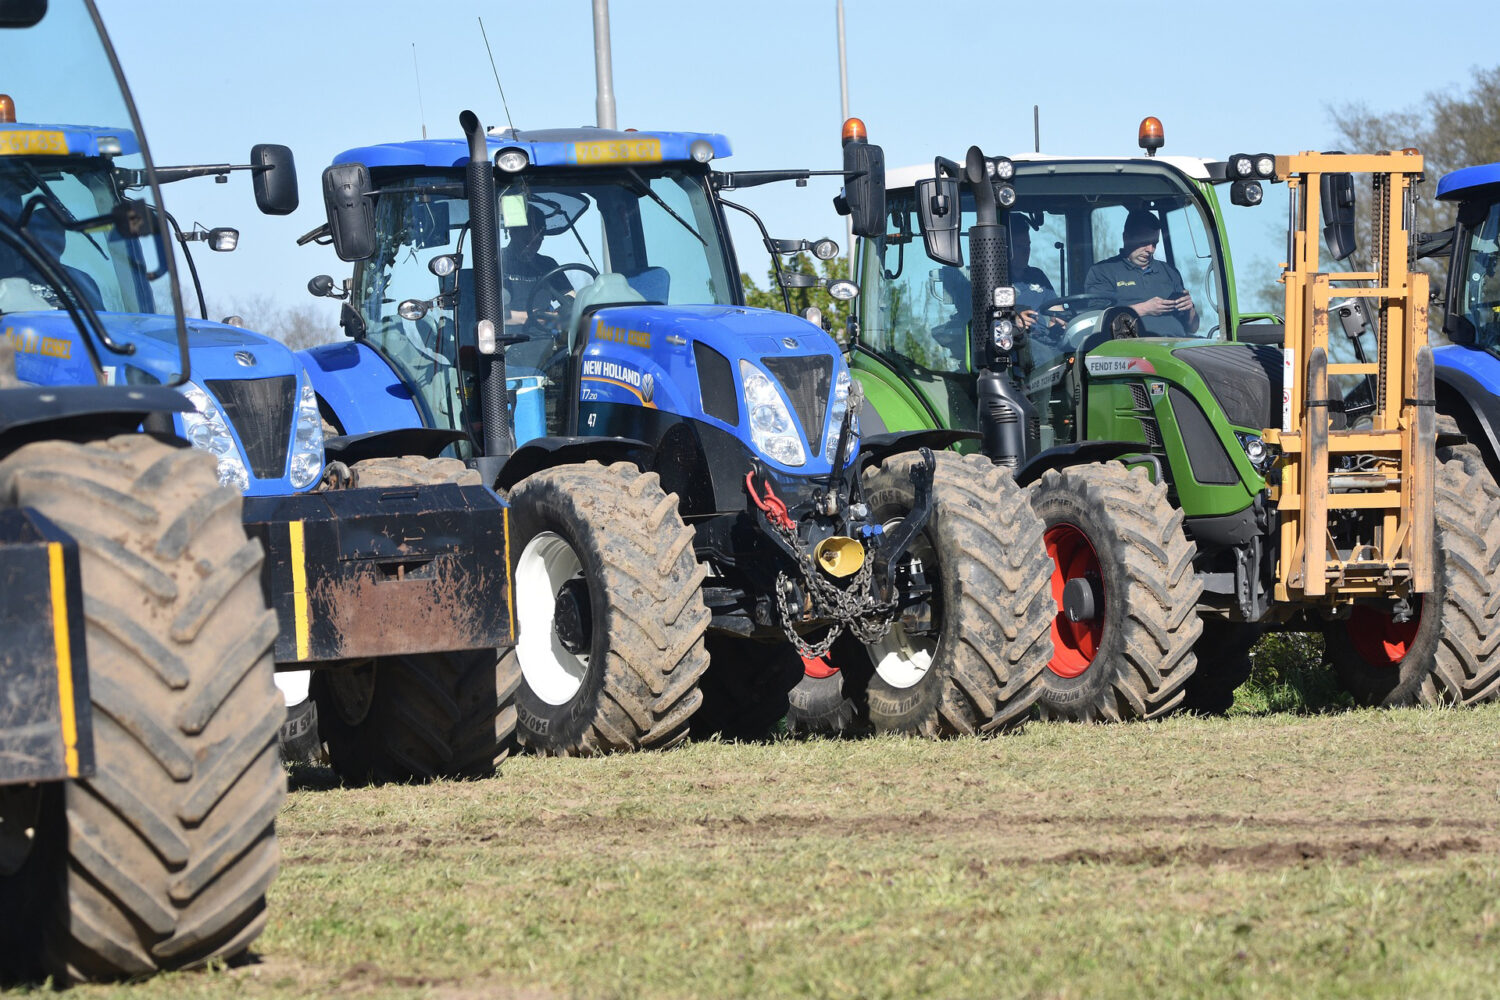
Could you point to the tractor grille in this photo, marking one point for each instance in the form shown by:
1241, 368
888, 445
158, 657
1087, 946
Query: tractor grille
261, 410
807, 381
1244, 378
1138, 396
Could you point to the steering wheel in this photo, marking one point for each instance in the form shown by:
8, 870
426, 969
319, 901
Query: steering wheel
539, 287
1073, 304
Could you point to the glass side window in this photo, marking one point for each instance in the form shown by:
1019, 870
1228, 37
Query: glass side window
1479, 282
569, 241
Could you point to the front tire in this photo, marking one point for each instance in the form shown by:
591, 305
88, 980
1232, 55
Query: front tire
1113, 530
160, 860
1449, 657
417, 718
610, 617
981, 554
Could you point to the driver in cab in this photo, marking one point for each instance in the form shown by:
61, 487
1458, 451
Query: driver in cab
1151, 287
522, 267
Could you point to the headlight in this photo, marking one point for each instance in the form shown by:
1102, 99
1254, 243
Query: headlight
512, 160
772, 431
1005, 334
836, 419
307, 444
1261, 455
207, 430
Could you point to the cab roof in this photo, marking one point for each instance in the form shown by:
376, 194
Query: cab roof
553, 147
1194, 167
26, 139
1462, 183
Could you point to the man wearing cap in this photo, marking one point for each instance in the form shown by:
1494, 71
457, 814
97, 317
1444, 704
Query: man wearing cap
1135, 278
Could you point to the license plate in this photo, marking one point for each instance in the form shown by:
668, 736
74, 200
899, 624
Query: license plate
31, 142
617, 151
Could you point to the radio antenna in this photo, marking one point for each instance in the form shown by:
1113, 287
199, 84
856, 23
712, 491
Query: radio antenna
503, 103
1036, 126
418, 74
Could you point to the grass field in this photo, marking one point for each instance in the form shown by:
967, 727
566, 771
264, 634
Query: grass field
1350, 854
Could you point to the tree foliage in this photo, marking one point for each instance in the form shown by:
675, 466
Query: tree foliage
835, 313
297, 327
1453, 128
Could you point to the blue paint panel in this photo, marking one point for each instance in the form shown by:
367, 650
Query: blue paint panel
1482, 366
82, 140
544, 147
1456, 185
363, 391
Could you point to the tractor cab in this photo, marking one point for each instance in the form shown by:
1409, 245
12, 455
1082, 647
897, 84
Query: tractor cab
1065, 229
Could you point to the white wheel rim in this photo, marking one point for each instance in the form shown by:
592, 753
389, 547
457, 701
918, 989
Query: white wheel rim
551, 672
902, 660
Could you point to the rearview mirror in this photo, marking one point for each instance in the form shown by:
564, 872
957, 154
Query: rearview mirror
937, 213
273, 174
864, 194
351, 215
1338, 203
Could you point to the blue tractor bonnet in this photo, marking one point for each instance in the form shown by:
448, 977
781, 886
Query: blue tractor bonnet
556, 147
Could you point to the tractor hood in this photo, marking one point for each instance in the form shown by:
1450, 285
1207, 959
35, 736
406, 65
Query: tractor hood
721, 365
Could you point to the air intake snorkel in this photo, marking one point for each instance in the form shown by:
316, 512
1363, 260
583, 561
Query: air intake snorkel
499, 439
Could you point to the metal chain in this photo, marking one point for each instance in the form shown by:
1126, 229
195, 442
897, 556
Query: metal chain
851, 607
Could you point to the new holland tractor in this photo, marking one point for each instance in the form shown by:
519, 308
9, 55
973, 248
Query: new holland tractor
562, 309
139, 778
380, 564
1178, 452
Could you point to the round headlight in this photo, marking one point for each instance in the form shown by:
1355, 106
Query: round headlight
1005, 195
1005, 334
1004, 169
1242, 166
412, 309
825, 249
443, 265
701, 150
843, 289
1265, 165
512, 160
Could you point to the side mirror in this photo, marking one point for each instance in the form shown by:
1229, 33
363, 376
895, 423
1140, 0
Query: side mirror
351, 215
274, 176
864, 193
1338, 203
937, 213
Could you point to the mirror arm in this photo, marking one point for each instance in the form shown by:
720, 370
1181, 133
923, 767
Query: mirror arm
786, 296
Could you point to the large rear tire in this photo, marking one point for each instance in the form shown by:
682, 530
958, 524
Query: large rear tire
978, 669
160, 860
1449, 657
610, 617
1115, 531
417, 718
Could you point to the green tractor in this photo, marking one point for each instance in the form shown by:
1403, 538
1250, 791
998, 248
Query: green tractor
1180, 452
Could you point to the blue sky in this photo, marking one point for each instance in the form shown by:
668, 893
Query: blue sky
213, 78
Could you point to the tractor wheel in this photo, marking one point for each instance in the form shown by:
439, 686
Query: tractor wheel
609, 612
161, 859
1126, 651
745, 687
417, 718
1446, 653
1223, 654
413, 470
980, 557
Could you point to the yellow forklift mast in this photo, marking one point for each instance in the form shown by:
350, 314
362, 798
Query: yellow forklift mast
1355, 503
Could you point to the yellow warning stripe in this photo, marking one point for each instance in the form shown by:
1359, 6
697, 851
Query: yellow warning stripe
62, 644
510, 583
299, 588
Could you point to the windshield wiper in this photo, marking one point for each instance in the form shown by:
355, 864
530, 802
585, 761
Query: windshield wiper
646, 189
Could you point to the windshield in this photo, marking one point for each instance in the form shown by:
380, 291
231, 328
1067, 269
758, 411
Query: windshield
1478, 283
1068, 233
68, 145
569, 241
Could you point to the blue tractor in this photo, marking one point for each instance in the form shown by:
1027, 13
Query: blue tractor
363, 540
562, 309
139, 781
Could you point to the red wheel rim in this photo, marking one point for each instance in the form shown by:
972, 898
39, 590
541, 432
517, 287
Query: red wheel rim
1074, 644
1378, 638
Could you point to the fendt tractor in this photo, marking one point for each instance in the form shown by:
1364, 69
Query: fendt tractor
139, 778
381, 567
1178, 482
566, 304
